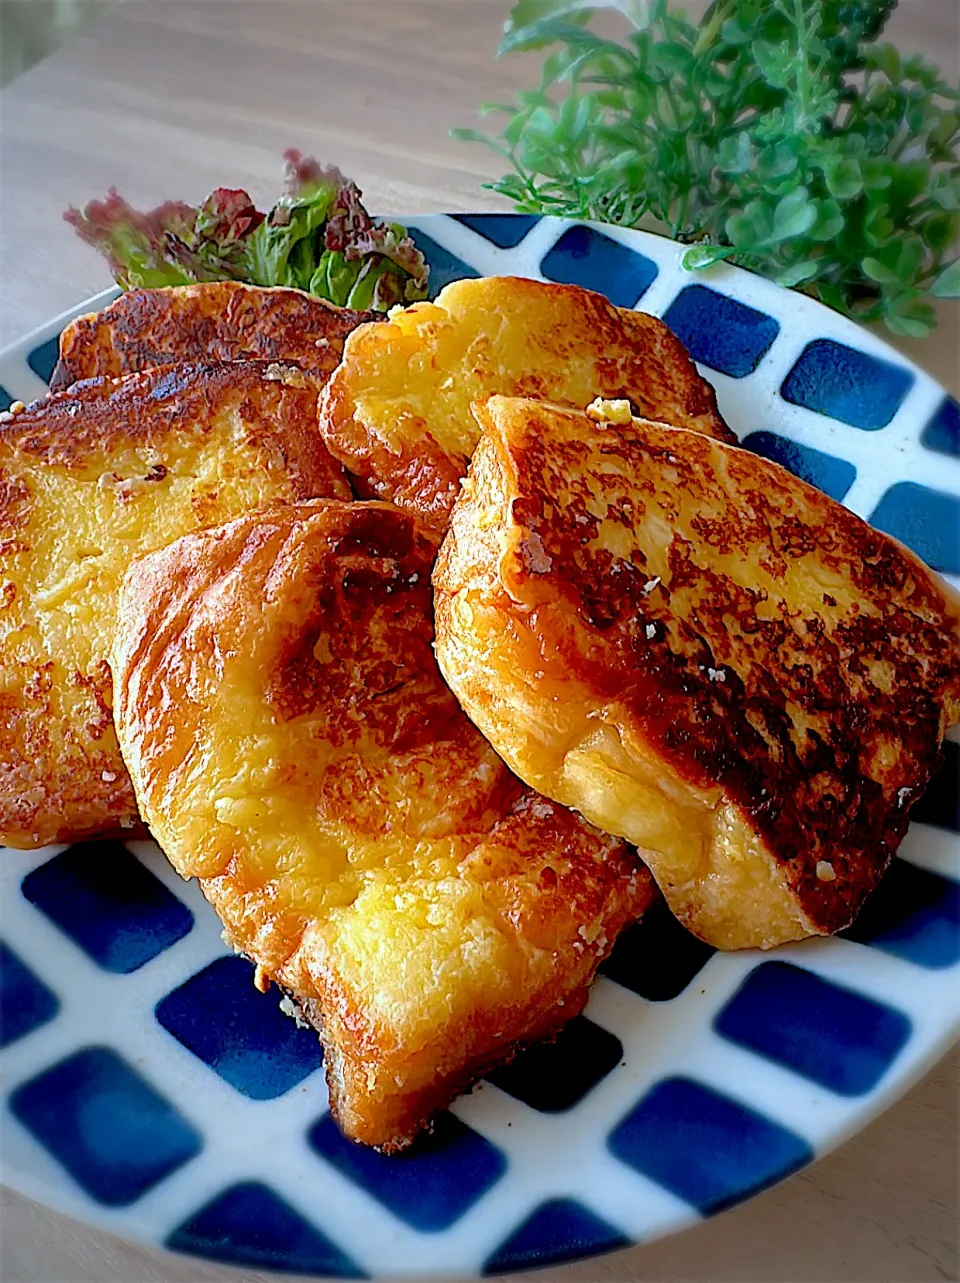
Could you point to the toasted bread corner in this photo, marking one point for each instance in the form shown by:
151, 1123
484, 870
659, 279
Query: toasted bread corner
358, 838
396, 412
89, 478
700, 653
211, 321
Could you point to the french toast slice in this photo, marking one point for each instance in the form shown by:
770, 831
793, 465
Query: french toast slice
212, 321
293, 746
397, 410
701, 653
89, 479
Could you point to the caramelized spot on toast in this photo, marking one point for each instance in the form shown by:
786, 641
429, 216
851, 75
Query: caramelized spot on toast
213, 321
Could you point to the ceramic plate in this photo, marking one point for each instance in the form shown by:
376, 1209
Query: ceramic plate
149, 1089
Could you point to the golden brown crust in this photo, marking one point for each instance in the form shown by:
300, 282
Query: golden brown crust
703, 654
397, 410
215, 321
90, 478
293, 746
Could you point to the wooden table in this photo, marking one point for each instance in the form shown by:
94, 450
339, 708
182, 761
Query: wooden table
169, 98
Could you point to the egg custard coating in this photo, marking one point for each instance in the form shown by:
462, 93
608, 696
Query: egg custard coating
293, 747
396, 412
89, 479
701, 653
212, 321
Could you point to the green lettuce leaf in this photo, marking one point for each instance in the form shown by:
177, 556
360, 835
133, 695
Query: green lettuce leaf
317, 237
135, 244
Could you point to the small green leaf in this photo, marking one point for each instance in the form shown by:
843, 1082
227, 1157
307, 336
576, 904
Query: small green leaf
735, 154
532, 98
942, 136
570, 31
830, 220
833, 296
524, 28
796, 274
471, 136
794, 215
939, 231
700, 256
770, 127
716, 85
911, 252
496, 108
776, 62
878, 226
909, 327
739, 230
911, 179
946, 193
885, 58
844, 178
947, 284
911, 314
672, 58
734, 33
916, 67
515, 130
778, 161
751, 227
575, 113
877, 173
879, 272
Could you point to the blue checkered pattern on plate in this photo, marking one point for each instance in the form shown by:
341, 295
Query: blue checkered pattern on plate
152, 1089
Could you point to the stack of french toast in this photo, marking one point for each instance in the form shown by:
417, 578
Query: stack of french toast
437, 647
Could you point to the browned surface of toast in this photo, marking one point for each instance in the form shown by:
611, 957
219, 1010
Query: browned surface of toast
89, 479
701, 653
397, 410
216, 321
293, 746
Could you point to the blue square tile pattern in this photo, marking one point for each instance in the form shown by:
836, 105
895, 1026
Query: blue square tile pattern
833, 476
560, 1230
554, 1076
248, 1224
820, 1030
109, 904
704, 1147
114, 1134
506, 231
43, 358
847, 384
250, 1044
913, 914
940, 803
928, 521
431, 1184
942, 433
656, 957
26, 1003
583, 256
721, 332
444, 266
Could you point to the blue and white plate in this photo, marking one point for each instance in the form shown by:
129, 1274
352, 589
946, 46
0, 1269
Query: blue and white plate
149, 1089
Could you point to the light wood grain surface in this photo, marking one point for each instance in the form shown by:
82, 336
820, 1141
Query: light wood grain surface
171, 97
